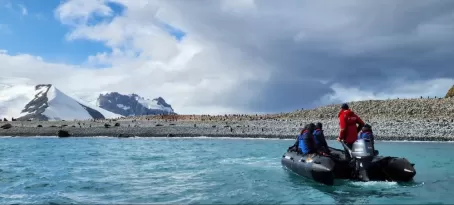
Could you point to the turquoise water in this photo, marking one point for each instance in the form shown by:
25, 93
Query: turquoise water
199, 171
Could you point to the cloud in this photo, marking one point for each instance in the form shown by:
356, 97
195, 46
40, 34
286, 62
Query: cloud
23, 9
256, 56
425, 88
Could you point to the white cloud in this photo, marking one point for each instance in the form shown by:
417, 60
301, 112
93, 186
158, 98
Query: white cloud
239, 55
238, 5
23, 9
426, 88
192, 74
80, 11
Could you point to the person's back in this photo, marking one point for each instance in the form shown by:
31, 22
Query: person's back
306, 142
319, 138
348, 121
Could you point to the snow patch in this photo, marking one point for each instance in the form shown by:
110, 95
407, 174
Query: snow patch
91, 100
153, 104
63, 107
124, 107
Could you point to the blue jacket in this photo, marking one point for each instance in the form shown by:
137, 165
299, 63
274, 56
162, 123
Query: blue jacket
306, 142
366, 135
320, 141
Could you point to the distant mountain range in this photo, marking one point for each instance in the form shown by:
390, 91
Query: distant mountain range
46, 102
133, 105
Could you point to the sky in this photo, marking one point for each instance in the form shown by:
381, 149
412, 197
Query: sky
233, 56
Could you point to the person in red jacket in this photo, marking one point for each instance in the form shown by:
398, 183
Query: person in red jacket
348, 129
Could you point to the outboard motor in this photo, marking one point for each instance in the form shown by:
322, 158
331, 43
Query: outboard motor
363, 153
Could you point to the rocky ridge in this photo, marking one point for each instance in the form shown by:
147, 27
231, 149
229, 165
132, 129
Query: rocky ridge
395, 109
133, 105
450, 92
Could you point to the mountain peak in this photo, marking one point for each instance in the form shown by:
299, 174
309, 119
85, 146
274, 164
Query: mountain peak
50, 103
25, 101
133, 104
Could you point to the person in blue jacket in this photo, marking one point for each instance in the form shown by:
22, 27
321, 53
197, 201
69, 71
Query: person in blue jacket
366, 133
320, 142
306, 143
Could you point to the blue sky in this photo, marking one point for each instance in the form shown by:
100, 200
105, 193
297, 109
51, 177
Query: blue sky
30, 26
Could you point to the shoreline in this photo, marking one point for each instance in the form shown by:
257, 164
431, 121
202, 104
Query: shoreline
415, 130
213, 137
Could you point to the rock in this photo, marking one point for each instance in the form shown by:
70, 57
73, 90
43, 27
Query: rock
117, 124
125, 135
450, 92
39, 126
4, 119
6, 126
63, 133
106, 125
53, 126
158, 125
170, 135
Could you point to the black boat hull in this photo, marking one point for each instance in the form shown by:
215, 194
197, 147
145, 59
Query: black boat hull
316, 167
325, 169
380, 169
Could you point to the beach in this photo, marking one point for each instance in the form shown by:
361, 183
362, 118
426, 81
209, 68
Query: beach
271, 128
397, 120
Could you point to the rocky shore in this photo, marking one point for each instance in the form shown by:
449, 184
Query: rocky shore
399, 119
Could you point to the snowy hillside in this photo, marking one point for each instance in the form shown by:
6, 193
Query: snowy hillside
91, 103
13, 98
127, 105
45, 102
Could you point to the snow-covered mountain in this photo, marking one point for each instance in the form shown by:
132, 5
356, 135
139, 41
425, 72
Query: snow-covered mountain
133, 104
44, 102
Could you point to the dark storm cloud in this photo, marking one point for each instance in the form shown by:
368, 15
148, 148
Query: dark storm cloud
373, 45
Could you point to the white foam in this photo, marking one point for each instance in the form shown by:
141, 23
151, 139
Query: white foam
375, 184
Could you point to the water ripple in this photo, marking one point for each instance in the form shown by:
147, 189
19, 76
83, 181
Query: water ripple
197, 171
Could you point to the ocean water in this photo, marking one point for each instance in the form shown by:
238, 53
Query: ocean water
200, 171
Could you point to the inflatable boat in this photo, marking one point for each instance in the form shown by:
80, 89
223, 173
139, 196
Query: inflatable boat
360, 163
316, 167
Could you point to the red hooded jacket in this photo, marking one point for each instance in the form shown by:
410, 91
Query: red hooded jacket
348, 129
